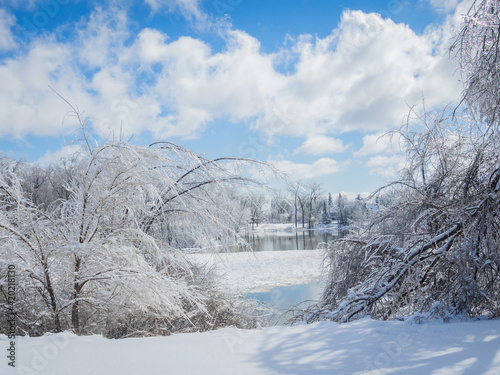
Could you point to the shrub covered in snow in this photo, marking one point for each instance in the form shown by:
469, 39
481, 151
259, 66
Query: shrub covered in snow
436, 250
95, 242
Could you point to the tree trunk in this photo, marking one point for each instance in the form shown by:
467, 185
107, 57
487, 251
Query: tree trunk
52, 295
75, 309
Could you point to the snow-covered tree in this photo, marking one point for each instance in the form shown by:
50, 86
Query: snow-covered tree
434, 249
281, 208
305, 198
477, 50
257, 202
104, 256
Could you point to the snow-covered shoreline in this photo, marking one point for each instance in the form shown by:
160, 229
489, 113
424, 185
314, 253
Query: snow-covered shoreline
287, 228
365, 347
251, 272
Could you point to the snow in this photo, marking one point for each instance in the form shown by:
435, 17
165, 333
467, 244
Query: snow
287, 228
253, 272
366, 347
279, 228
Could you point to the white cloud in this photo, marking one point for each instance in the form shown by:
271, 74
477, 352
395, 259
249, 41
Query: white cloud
55, 157
359, 77
298, 171
444, 6
7, 20
379, 143
384, 151
320, 144
190, 9
386, 166
27, 105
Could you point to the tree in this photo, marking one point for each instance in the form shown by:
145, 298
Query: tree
257, 202
305, 198
359, 209
104, 256
477, 50
313, 193
295, 191
280, 210
436, 248
433, 249
26, 236
341, 210
325, 216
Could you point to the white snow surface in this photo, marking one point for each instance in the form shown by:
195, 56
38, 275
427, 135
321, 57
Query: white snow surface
363, 347
253, 272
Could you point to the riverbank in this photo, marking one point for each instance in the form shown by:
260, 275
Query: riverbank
288, 228
253, 272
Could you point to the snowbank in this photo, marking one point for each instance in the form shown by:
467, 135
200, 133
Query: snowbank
251, 272
364, 347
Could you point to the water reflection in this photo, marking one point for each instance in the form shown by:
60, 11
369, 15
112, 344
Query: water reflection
286, 298
306, 240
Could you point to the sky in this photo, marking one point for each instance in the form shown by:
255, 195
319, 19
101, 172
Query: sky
309, 86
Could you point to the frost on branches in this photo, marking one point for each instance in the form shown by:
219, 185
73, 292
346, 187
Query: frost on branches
477, 50
435, 250
96, 239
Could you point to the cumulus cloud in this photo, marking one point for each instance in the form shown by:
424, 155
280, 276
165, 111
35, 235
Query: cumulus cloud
360, 77
386, 165
27, 105
377, 143
320, 144
363, 76
298, 171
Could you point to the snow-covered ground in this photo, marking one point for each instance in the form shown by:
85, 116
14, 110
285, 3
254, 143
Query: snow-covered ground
364, 347
248, 272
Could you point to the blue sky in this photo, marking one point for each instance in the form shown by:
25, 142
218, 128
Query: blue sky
309, 86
